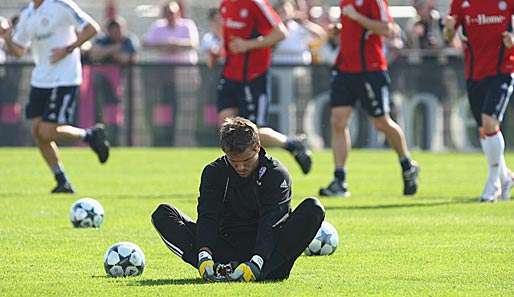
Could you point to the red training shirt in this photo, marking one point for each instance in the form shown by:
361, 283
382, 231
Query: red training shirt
483, 23
247, 19
361, 50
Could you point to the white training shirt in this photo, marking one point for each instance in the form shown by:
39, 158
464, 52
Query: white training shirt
52, 25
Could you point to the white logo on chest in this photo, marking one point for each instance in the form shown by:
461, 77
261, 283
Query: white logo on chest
243, 13
359, 2
502, 5
483, 19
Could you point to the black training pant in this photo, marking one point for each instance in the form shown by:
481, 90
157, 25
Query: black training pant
178, 232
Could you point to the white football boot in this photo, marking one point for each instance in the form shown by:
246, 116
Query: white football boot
492, 191
506, 186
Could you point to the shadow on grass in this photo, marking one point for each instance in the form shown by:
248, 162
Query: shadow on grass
169, 282
18, 195
170, 197
407, 204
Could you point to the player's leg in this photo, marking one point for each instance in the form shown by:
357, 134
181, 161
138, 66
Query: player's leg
254, 105
61, 112
227, 100
226, 113
342, 97
39, 99
499, 181
177, 231
377, 104
50, 153
292, 239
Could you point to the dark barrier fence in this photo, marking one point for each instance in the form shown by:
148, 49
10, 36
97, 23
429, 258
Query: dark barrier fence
150, 104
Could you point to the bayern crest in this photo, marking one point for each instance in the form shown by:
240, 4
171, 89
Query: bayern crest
359, 2
243, 13
502, 5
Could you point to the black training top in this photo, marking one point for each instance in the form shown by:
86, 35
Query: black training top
231, 204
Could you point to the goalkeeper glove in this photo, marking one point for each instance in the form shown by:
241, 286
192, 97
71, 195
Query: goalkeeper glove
205, 265
248, 271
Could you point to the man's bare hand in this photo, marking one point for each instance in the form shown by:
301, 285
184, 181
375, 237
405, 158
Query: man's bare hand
5, 27
58, 54
449, 28
239, 45
351, 12
508, 39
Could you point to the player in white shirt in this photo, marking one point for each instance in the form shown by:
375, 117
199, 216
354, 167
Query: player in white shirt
54, 30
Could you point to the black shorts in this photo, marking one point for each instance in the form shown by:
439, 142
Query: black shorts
490, 96
55, 105
371, 88
252, 99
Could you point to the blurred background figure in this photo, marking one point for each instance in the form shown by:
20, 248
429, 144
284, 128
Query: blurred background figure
175, 38
10, 107
212, 41
425, 30
114, 45
328, 51
295, 48
109, 52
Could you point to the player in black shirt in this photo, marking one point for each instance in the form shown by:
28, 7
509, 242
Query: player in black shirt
245, 230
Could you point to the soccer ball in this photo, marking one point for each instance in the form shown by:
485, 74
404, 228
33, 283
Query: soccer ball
86, 212
124, 259
324, 243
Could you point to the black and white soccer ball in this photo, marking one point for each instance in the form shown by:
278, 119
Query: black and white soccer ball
325, 242
86, 212
124, 259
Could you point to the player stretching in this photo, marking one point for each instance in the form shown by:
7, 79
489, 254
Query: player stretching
486, 28
49, 28
361, 74
245, 219
250, 29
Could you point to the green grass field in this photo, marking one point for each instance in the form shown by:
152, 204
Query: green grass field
439, 243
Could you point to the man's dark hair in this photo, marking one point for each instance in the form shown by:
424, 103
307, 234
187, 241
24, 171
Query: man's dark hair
115, 22
212, 13
237, 135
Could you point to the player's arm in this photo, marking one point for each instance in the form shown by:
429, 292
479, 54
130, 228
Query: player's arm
209, 205
450, 29
239, 45
99, 52
90, 30
6, 32
384, 28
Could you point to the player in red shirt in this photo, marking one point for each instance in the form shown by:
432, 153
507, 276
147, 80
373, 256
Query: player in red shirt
488, 39
361, 74
250, 29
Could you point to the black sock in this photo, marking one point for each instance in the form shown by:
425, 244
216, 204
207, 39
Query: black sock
61, 178
290, 145
340, 174
405, 162
87, 138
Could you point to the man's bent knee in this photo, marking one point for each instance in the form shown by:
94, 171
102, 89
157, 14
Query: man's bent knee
47, 132
489, 124
381, 123
313, 206
162, 211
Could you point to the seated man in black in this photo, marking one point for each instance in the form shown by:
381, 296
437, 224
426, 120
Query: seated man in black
244, 214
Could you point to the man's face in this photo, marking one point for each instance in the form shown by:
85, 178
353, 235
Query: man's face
115, 33
216, 23
246, 162
171, 16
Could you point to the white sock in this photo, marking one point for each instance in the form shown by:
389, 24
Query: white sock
493, 147
504, 170
82, 134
